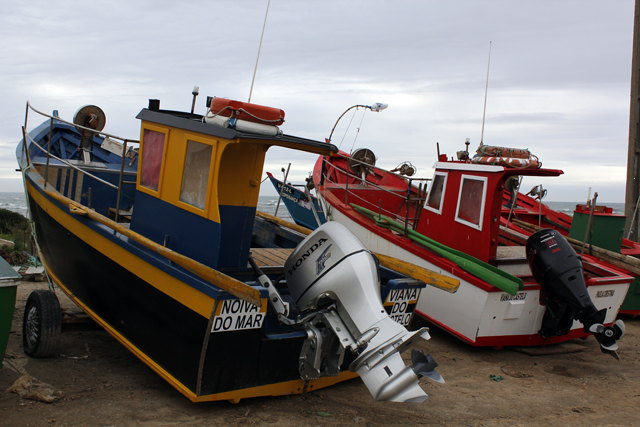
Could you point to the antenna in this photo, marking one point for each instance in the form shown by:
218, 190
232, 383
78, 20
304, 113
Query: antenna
259, 48
486, 88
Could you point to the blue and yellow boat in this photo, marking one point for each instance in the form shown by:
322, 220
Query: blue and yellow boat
152, 239
304, 208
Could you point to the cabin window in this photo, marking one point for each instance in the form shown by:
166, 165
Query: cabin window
152, 149
436, 194
471, 201
195, 178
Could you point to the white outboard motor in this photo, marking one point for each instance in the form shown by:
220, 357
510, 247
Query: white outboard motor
334, 284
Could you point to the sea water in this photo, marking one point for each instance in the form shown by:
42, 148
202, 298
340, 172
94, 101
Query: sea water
569, 207
16, 202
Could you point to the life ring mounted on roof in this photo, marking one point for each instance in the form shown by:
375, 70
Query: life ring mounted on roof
494, 151
504, 156
511, 162
245, 111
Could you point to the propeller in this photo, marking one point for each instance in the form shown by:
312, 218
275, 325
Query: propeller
425, 366
608, 335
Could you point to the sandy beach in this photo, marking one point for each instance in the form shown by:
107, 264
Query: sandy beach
101, 384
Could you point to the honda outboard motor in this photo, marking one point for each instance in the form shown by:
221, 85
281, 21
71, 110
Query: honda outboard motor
334, 284
558, 269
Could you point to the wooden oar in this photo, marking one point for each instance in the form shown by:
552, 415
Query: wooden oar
425, 275
215, 277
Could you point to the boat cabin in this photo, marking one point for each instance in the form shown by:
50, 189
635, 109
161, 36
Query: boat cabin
464, 205
198, 184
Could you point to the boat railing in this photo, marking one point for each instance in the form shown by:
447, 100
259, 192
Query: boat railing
250, 294
53, 118
413, 196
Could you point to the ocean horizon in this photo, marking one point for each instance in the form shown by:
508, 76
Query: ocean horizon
16, 202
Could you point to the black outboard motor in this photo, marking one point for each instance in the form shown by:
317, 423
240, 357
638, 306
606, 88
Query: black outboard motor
558, 269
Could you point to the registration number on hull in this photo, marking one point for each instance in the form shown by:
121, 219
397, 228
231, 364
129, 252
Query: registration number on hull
401, 303
238, 315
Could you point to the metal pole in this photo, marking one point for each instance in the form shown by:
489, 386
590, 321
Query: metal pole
24, 140
540, 212
586, 232
46, 168
63, 161
346, 186
632, 192
515, 201
24, 146
633, 218
406, 220
124, 153
282, 189
313, 205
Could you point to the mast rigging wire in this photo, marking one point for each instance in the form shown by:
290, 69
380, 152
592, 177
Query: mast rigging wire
259, 48
486, 88
358, 129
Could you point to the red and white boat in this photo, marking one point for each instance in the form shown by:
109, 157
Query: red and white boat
535, 293
524, 214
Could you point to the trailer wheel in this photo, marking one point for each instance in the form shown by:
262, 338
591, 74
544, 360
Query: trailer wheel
41, 324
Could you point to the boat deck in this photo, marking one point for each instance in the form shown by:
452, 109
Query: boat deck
511, 254
268, 257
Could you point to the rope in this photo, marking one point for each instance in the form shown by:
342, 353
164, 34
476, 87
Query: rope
239, 109
258, 118
214, 114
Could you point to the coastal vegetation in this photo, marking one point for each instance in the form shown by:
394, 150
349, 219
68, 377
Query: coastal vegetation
15, 228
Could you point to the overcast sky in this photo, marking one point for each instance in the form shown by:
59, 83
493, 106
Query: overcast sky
559, 79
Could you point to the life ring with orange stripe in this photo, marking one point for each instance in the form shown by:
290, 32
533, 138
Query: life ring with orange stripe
246, 111
511, 162
504, 152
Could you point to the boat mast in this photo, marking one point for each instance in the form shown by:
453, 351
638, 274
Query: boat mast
632, 193
486, 88
259, 48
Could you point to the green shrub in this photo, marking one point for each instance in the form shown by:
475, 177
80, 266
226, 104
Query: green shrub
11, 221
14, 227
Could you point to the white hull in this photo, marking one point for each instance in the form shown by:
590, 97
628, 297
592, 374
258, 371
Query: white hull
475, 315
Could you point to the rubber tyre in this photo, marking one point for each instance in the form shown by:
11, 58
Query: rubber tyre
41, 324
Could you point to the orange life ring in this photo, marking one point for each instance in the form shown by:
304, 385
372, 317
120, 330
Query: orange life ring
504, 152
246, 111
510, 162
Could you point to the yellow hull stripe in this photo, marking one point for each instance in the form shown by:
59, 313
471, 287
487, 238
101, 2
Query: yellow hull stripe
278, 389
215, 277
176, 289
201, 303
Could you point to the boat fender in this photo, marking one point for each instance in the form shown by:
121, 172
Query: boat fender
243, 125
221, 121
257, 128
